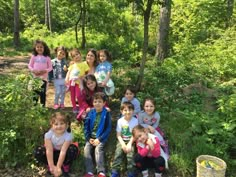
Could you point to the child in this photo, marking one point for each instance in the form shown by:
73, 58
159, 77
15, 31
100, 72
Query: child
150, 154
74, 77
124, 146
60, 66
92, 61
90, 87
40, 64
97, 128
58, 151
149, 118
103, 72
129, 95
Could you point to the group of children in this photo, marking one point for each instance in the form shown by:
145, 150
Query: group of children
89, 83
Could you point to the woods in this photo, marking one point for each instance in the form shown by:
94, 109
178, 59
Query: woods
181, 53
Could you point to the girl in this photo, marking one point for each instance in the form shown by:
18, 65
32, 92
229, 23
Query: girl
90, 87
58, 151
40, 65
150, 154
74, 77
149, 118
103, 72
60, 66
91, 59
129, 95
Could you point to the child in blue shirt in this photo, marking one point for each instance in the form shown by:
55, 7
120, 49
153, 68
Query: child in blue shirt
97, 127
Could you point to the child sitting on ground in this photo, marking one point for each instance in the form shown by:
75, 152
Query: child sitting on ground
58, 151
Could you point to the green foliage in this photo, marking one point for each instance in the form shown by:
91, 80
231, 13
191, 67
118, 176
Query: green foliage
18, 118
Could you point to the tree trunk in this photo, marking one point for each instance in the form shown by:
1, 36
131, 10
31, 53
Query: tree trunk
16, 25
164, 26
146, 14
83, 20
47, 14
230, 8
77, 24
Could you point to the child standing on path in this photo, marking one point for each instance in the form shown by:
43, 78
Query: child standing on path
60, 66
97, 128
124, 146
58, 151
40, 64
103, 72
129, 95
74, 77
92, 60
150, 154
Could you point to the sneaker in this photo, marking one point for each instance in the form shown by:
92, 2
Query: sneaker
62, 106
131, 174
114, 174
101, 174
88, 175
56, 106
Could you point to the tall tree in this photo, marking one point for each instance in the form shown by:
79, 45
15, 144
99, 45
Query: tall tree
230, 8
164, 26
146, 11
82, 19
48, 15
16, 24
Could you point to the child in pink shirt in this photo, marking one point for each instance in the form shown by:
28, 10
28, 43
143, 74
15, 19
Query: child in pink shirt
150, 154
40, 65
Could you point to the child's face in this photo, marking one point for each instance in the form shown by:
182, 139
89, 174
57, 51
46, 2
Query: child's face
61, 54
90, 58
77, 57
91, 85
102, 56
39, 48
98, 104
129, 95
149, 107
59, 127
127, 113
141, 136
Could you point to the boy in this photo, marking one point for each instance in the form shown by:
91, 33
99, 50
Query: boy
124, 146
97, 128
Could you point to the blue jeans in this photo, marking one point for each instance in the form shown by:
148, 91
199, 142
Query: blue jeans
60, 91
91, 151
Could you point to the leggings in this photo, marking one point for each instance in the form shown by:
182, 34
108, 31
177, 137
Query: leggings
143, 163
41, 93
71, 154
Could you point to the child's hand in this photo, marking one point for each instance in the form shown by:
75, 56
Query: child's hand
150, 144
108, 109
88, 109
151, 129
57, 172
52, 169
124, 148
103, 84
65, 68
96, 142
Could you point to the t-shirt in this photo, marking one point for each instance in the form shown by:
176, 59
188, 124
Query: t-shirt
102, 70
144, 119
58, 141
135, 102
40, 62
125, 127
77, 70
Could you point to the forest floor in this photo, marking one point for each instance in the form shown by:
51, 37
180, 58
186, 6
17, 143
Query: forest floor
11, 66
